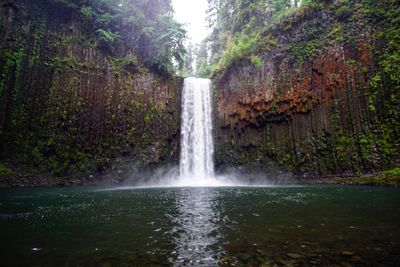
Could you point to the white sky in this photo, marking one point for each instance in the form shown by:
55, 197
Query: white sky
193, 14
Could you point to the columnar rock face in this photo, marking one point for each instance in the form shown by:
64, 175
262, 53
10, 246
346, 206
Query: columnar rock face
332, 111
69, 107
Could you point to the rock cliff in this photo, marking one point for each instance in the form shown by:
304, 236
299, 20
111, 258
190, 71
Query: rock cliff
324, 100
72, 105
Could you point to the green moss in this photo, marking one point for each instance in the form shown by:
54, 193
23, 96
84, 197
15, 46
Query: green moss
337, 33
78, 39
256, 61
51, 84
10, 76
245, 47
387, 178
4, 171
37, 42
306, 49
384, 86
128, 63
343, 12
11, 62
314, 4
107, 38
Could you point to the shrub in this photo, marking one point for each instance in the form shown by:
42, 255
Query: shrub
4, 170
107, 38
245, 46
256, 61
343, 12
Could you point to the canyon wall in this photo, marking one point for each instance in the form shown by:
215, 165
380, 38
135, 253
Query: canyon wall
324, 100
69, 106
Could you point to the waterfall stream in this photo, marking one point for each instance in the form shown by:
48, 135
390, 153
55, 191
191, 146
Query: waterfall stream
197, 148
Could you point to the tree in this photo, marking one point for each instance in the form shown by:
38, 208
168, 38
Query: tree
188, 61
169, 50
203, 68
238, 23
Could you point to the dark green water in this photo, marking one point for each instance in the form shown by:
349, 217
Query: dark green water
281, 226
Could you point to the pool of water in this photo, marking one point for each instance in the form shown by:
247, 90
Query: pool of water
281, 226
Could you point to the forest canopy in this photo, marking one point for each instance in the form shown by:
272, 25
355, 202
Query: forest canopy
157, 39
241, 29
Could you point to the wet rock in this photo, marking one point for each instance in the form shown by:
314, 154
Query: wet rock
282, 111
346, 264
295, 255
310, 254
287, 263
357, 258
347, 253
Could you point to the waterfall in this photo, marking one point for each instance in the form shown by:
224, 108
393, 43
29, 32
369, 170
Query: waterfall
197, 148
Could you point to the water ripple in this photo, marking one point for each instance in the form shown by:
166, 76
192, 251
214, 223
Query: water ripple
196, 230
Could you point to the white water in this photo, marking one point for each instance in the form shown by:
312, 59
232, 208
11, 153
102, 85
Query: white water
197, 148
196, 167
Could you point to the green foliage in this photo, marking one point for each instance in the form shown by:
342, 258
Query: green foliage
168, 38
239, 48
107, 38
37, 40
42, 124
343, 12
256, 61
360, 142
199, 54
384, 86
129, 63
305, 49
315, 4
336, 33
4, 170
240, 29
88, 12
149, 29
389, 177
394, 171
11, 72
203, 69
11, 60
245, 47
